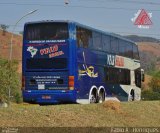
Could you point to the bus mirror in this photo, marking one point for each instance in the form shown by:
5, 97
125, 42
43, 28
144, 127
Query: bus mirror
142, 75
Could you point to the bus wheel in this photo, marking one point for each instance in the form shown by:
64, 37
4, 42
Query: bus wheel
101, 96
131, 96
93, 96
93, 99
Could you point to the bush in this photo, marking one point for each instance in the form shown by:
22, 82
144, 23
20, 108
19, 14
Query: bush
154, 84
8, 79
150, 95
18, 97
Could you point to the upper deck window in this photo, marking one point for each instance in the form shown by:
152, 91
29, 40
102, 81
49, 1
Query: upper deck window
135, 52
46, 31
84, 37
114, 45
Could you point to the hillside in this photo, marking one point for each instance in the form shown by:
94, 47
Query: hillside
150, 55
5, 45
108, 114
136, 38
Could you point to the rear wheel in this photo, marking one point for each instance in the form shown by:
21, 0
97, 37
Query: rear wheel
93, 96
101, 97
93, 99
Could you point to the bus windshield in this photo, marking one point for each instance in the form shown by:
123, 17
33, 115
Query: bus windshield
47, 31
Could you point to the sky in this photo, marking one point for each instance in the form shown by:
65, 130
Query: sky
107, 15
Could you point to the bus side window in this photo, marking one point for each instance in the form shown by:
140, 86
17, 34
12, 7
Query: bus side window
114, 45
122, 47
135, 52
129, 50
106, 43
78, 35
138, 77
97, 38
117, 76
84, 37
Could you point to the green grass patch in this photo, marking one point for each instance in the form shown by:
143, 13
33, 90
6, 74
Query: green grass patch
130, 114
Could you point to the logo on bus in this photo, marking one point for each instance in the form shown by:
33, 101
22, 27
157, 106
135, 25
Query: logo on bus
87, 70
110, 60
52, 51
32, 50
113, 60
119, 61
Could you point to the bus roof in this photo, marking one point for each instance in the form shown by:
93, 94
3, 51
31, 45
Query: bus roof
84, 26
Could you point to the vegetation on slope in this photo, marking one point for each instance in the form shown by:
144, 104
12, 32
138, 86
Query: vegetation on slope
9, 79
154, 92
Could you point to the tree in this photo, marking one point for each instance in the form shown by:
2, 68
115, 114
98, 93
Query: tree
155, 82
4, 28
9, 79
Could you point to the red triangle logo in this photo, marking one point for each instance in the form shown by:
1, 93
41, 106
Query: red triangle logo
143, 19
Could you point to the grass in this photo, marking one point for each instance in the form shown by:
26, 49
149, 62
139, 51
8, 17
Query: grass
130, 114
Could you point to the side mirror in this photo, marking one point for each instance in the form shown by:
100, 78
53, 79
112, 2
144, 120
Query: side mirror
142, 75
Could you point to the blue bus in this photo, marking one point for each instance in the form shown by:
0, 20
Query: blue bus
67, 62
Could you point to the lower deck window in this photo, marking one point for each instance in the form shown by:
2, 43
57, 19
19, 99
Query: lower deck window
117, 76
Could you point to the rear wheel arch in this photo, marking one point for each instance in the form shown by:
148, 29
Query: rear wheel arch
101, 94
131, 95
93, 94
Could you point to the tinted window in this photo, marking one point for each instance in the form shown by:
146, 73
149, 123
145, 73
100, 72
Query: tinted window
46, 31
135, 52
106, 43
117, 76
46, 63
97, 41
138, 77
125, 49
84, 37
129, 50
114, 45
122, 48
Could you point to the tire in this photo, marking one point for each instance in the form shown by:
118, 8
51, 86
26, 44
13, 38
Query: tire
93, 99
93, 96
131, 96
101, 97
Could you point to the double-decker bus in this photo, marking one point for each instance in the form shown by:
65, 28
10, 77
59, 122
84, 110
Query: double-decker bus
64, 61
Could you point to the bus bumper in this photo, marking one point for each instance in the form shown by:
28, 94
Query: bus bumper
49, 96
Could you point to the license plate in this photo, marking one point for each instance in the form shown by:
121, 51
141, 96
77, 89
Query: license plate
41, 87
46, 97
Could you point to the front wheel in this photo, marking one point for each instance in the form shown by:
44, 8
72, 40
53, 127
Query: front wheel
131, 96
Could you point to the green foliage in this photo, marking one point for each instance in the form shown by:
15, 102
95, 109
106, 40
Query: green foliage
18, 97
154, 84
155, 73
150, 95
4, 28
8, 79
148, 61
